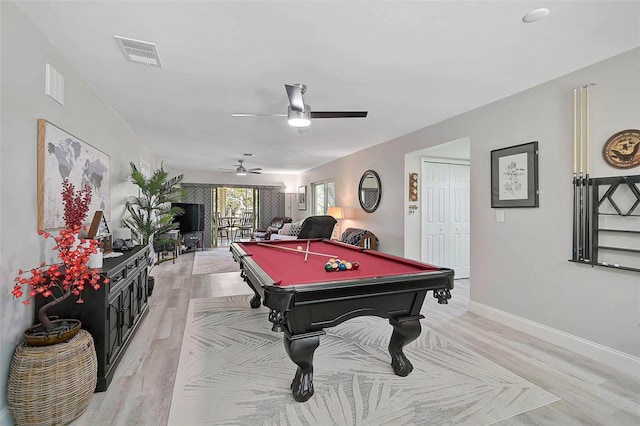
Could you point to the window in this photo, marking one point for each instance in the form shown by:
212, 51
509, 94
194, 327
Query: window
324, 196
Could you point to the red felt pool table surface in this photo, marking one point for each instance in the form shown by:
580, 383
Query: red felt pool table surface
288, 268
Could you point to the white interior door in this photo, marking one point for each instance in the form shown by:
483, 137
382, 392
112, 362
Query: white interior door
446, 216
460, 219
435, 214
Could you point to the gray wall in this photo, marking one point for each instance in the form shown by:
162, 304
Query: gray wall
519, 269
25, 52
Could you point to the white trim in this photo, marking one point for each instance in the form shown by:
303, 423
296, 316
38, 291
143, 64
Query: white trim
609, 356
444, 161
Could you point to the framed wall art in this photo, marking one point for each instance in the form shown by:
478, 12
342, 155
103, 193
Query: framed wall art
514, 176
302, 197
63, 156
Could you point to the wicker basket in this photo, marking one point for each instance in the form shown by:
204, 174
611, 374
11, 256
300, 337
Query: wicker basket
52, 385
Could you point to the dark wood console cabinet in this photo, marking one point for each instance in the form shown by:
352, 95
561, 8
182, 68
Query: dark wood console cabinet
114, 312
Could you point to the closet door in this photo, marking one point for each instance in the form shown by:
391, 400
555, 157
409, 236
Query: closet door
435, 214
459, 220
446, 216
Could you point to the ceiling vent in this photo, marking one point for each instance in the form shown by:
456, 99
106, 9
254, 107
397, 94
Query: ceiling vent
139, 51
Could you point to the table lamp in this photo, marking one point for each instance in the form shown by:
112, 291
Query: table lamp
338, 214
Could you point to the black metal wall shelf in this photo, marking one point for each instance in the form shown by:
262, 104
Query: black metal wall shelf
612, 198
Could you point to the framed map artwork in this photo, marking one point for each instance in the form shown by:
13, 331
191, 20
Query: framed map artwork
63, 156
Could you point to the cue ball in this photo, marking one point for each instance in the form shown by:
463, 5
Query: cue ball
299, 248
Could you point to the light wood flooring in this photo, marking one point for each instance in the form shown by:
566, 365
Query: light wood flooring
140, 393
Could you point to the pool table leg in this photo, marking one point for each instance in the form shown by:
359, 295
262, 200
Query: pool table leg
301, 351
405, 331
256, 299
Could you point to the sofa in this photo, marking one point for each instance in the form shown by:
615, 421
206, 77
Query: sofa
274, 226
360, 237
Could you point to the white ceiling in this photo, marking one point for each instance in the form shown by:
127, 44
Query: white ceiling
409, 63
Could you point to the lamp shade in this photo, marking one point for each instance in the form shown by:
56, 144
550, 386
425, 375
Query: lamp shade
336, 212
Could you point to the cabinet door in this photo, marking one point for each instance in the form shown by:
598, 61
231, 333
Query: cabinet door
127, 310
113, 329
141, 292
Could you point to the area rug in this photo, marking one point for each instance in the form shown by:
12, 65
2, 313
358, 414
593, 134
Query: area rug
213, 262
233, 370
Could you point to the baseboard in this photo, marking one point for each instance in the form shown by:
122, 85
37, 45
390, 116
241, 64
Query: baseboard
611, 357
5, 417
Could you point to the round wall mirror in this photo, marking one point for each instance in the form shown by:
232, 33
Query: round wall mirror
369, 191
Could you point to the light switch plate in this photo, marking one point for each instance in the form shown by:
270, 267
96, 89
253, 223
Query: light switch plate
499, 215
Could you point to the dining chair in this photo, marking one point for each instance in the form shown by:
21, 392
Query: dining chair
246, 224
222, 227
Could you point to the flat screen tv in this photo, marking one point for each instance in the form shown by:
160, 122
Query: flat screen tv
192, 220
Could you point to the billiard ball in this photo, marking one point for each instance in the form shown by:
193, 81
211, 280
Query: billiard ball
328, 267
348, 265
343, 267
355, 265
299, 248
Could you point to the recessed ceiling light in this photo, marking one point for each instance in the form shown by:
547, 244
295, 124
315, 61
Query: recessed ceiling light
535, 15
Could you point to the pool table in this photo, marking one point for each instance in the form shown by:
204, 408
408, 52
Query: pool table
304, 298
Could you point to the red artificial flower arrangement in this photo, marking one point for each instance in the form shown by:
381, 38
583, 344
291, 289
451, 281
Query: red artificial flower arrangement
73, 274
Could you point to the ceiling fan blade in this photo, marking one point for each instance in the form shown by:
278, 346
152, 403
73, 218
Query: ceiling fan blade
241, 114
339, 114
255, 169
294, 92
255, 173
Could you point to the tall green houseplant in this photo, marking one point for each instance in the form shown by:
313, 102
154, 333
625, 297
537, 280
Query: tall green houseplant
151, 213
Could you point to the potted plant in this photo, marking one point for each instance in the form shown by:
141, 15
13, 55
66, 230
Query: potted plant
60, 281
151, 212
53, 375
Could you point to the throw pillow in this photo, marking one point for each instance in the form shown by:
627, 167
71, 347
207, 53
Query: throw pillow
286, 229
295, 229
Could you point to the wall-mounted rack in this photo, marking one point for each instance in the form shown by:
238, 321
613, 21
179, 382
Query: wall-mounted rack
614, 224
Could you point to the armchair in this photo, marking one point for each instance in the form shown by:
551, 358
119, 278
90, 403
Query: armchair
317, 227
312, 227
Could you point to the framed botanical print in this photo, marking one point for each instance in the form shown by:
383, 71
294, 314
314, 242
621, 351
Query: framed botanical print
514, 176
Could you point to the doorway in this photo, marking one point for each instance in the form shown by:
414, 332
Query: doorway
446, 214
229, 205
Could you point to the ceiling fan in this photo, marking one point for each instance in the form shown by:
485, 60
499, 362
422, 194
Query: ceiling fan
241, 170
299, 114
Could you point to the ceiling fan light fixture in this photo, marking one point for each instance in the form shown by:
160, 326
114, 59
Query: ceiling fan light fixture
535, 15
299, 118
241, 171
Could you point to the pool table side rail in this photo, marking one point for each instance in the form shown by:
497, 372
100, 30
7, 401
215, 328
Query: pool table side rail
259, 280
419, 268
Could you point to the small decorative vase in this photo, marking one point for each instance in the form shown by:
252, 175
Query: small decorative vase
95, 260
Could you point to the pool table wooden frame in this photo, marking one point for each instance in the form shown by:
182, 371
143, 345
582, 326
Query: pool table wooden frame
302, 311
